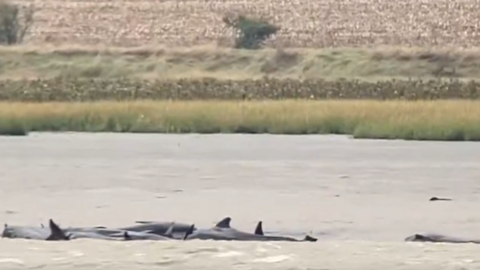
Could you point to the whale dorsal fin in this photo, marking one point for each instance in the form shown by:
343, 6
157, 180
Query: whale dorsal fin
224, 223
190, 231
169, 232
309, 238
126, 236
259, 229
421, 237
56, 233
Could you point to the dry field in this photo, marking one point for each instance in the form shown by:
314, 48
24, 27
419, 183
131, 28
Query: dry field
181, 39
304, 23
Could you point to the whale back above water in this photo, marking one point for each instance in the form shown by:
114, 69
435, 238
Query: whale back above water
259, 231
145, 230
25, 232
52, 233
223, 231
150, 235
439, 238
160, 228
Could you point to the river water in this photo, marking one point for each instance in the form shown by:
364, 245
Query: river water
361, 198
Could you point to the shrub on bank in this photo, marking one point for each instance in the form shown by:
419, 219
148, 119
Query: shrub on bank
12, 127
14, 23
251, 32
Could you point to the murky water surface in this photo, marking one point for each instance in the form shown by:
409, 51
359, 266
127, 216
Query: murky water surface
361, 198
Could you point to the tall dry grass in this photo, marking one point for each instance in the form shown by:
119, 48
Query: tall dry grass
422, 120
304, 23
159, 62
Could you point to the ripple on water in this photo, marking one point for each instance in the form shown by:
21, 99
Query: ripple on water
274, 259
237, 255
11, 260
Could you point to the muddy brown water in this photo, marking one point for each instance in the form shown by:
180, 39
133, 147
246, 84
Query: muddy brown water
361, 198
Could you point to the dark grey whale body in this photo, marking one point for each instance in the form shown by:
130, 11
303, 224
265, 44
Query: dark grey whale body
25, 232
259, 231
127, 234
223, 231
147, 231
159, 228
433, 199
152, 231
52, 233
439, 238
155, 235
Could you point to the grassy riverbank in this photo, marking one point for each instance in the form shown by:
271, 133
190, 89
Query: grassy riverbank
421, 120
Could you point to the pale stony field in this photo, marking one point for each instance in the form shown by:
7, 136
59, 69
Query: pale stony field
368, 40
304, 23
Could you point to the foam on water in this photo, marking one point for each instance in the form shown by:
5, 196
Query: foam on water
239, 255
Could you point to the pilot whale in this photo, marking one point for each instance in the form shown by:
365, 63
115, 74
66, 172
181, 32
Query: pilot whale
160, 228
52, 233
100, 232
439, 238
223, 231
259, 231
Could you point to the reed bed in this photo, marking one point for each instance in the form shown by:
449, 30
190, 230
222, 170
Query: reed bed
304, 23
420, 120
72, 89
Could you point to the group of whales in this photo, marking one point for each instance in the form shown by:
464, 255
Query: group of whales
145, 230
158, 231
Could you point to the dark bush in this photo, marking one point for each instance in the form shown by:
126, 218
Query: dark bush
13, 23
251, 33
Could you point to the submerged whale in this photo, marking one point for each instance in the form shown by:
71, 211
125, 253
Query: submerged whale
223, 231
439, 238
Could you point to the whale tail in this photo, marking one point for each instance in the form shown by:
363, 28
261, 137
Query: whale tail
309, 238
189, 231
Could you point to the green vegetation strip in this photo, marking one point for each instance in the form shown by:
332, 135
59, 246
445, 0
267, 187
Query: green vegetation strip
411, 120
71, 89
